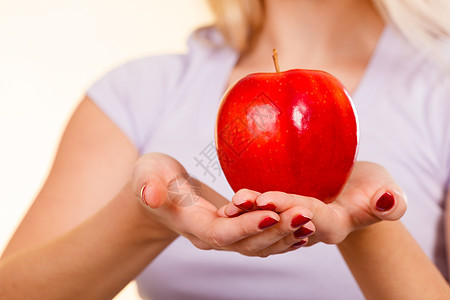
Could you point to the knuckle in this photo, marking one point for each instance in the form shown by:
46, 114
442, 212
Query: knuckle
273, 194
249, 249
280, 231
216, 239
245, 230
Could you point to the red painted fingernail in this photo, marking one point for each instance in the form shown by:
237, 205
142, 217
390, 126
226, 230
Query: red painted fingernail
268, 206
267, 222
247, 205
386, 202
299, 220
302, 232
299, 244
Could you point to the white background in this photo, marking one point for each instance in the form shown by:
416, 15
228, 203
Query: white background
50, 52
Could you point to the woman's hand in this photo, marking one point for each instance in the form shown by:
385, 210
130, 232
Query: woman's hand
370, 195
176, 206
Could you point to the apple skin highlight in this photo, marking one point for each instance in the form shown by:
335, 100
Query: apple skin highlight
294, 131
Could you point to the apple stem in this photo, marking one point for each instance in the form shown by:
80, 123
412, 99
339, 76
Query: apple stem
275, 60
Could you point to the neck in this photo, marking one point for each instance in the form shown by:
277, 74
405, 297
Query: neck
337, 36
314, 33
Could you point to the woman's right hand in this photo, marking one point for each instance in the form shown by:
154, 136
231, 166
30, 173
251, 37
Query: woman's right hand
174, 206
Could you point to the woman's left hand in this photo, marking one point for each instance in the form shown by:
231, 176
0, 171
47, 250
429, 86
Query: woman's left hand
369, 196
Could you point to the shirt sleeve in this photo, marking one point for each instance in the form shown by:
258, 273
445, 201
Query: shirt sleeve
111, 94
135, 95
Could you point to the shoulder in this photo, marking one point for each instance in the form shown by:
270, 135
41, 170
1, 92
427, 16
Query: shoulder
163, 72
134, 94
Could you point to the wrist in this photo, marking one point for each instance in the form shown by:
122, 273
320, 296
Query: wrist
362, 235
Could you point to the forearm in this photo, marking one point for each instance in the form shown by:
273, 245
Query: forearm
388, 263
95, 260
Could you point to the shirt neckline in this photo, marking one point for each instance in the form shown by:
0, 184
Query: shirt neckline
368, 78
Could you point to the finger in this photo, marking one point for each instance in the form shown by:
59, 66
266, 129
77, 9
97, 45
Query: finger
299, 238
388, 203
287, 248
242, 201
279, 237
152, 175
299, 244
280, 202
230, 210
331, 220
155, 163
153, 191
221, 212
223, 232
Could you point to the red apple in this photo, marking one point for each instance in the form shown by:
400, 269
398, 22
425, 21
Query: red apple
294, 131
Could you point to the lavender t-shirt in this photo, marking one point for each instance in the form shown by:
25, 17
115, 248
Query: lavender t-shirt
168, 104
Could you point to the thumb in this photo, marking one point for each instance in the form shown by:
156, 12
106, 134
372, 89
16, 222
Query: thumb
152, 177
152, 190
149, 182
389, 203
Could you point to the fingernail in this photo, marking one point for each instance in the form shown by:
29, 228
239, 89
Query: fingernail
247, 205
302, 232
143, 194
299, 244
268, 206
386, 202
267, 222
299, 221
237, 214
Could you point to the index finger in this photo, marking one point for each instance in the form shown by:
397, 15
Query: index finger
223, 231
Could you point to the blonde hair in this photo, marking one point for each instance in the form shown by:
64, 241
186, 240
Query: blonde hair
239, 21
424, 22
